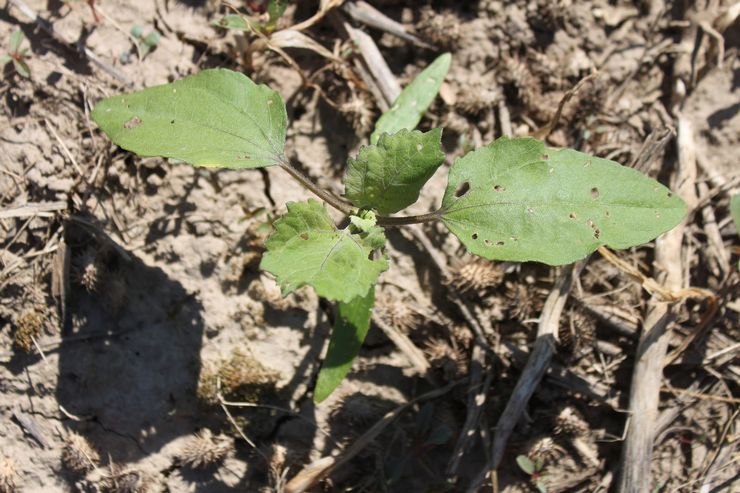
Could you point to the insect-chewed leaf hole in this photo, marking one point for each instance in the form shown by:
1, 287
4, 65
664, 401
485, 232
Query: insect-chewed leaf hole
530, 210
462, 189
487, 242
474, 236
172, 122
419, 147
545, 157
594, 193
499, 188
572, 215
670, 195
499, 243
304, 236
597, 233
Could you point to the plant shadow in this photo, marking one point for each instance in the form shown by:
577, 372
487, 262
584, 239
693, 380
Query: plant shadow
130, 359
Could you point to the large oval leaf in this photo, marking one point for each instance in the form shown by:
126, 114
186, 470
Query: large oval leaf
388, 176
215, 118
307, 248
414, 100
516, 200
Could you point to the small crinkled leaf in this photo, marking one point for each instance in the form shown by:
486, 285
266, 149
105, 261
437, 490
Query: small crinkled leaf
414, 100
388, 176
217, 118
516, 200
350, 329
306, 248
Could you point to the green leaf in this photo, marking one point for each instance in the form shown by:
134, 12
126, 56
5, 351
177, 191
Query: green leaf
16, 39
275, 10
735, 210
4, 59
22, 68
516, 200
525, 464
350, 329
232, 21
388, 176
414, 100
217, 118
308, 249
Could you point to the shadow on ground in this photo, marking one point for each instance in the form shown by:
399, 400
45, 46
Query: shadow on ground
130, 363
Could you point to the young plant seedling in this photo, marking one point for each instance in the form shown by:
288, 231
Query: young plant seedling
145, 44
534, 470
17, 55
514, 199
266, 19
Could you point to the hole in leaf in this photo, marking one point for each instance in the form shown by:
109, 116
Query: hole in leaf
419, 147
587, 163
304, 236
269, 102
572, 215
487, 242
607, 213
530, 210
499, 188
545, 157
670, 195
594, 193
499, 243
591, 224
474, 236
172, 122
514, 238
462, 189
597, 233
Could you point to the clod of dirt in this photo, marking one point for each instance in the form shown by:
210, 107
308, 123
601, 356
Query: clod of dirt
358, 111
524, 300
8, 475
443, 356
87, 270
570, 422
126, 481
203, 449
78, 456
475, 275
242, 378
28, 328
545, 449
441, 28
396, 313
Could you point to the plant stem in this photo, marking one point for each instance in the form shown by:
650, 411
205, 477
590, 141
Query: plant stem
404, 220
347, 208
324, 195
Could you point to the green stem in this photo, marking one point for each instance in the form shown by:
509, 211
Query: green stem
404, 220
324, 195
